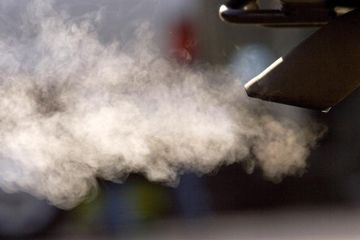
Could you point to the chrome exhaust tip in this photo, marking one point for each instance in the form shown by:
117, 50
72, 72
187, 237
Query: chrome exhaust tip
319, 73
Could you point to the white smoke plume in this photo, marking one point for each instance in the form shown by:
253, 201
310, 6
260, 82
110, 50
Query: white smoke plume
73, 109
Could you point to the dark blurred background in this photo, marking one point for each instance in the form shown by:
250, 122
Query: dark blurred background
322, 203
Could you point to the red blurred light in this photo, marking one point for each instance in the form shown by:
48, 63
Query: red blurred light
183, 42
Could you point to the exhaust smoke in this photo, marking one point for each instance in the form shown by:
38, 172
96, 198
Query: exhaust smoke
73, 109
